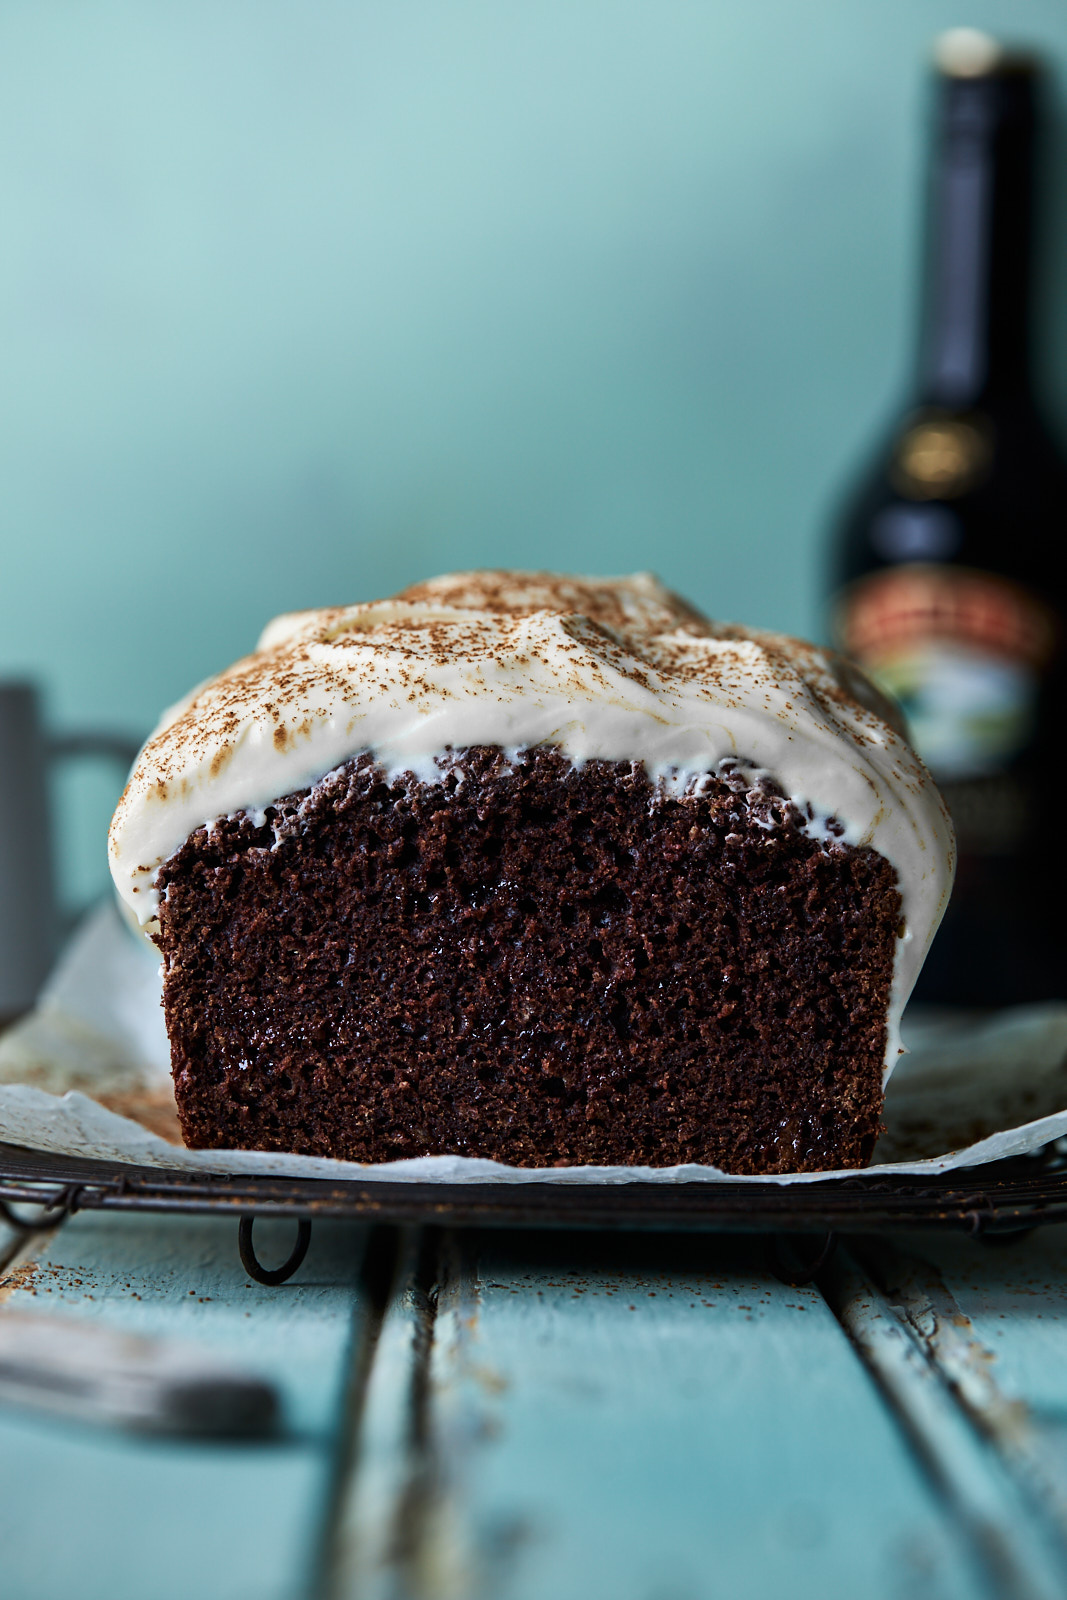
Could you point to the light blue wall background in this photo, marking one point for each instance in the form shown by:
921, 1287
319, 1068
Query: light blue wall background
301, 302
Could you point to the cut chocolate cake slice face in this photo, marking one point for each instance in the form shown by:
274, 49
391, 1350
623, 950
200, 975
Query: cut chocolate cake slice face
533, 962
628, 938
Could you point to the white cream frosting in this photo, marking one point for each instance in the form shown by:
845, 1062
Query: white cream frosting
617, 669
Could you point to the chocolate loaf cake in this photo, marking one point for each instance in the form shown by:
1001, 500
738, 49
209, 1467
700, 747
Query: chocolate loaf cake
545, 870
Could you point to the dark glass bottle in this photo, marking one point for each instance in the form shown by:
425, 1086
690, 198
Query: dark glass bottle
950, 566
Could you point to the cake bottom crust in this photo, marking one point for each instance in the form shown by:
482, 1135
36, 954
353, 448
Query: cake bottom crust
534, 962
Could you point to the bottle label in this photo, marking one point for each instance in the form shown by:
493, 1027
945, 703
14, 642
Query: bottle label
941, 455
963, 653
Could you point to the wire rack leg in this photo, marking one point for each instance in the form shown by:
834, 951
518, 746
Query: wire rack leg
51, 1216
272, 1276
794, 1267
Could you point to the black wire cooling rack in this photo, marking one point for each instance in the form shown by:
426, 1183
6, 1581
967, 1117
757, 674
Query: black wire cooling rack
998, 1200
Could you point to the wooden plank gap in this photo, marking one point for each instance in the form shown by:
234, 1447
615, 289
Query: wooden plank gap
382, 1262
920, 1295
389, 1485
20, 1250
1011, 1543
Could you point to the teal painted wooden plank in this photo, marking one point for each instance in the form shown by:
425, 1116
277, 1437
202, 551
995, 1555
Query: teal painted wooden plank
1015, 1296
639, 1419
88, 1514
919, 1371
994, 1319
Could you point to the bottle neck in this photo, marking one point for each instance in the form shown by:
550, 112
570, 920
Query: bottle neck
976, 323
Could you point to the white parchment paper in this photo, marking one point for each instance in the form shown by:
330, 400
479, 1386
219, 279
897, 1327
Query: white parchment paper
86, 1073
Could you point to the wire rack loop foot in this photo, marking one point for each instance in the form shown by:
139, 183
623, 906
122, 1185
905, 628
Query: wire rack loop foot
797, 1261
50, 1216
272, 1276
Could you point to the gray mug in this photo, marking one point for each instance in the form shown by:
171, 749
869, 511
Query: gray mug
30, 922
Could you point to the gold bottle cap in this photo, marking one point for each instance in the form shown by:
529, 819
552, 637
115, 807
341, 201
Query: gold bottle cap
967, 53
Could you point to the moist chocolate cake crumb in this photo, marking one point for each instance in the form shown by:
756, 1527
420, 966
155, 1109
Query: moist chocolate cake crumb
528, 960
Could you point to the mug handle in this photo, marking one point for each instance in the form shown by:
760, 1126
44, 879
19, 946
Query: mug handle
31, 928
112, 745
77, 744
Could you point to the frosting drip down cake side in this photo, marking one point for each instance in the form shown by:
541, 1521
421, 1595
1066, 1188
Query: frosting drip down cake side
546, 869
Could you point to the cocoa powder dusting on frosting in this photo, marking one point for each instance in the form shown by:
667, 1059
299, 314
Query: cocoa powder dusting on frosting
613, 669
